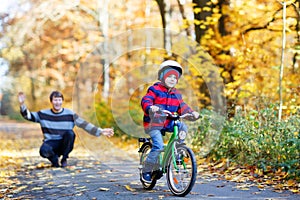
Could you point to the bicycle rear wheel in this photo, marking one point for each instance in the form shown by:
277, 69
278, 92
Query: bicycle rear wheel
181, 175
145, 150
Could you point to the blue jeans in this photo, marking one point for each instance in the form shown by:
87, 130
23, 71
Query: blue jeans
158, 146
52, 149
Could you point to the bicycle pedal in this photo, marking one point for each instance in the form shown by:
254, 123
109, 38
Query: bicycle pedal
144, 140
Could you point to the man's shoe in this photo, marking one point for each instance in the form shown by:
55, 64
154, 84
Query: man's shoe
64, 163
146, 177
54, 161
55, 165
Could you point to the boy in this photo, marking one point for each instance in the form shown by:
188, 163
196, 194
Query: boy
162, 95
57, 126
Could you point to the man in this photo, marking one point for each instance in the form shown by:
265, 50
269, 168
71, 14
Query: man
57, 125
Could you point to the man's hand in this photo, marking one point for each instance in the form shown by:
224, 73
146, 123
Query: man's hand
109, 132
21, 97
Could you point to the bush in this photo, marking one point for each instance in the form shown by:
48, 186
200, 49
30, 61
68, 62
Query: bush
259, 139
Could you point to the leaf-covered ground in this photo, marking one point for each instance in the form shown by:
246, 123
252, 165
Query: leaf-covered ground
19, 155
248, 176
20, 161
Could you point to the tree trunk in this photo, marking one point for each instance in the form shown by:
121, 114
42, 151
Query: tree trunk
104, 23
201, 16
165, 12
297, 46
282, 60
182, 12
32, 78
222, 29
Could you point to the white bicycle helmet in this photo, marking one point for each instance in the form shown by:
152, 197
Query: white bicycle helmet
169, 64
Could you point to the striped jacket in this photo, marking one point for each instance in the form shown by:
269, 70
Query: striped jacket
54, 125
172, 101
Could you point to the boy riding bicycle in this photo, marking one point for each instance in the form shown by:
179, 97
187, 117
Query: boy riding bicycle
162, 96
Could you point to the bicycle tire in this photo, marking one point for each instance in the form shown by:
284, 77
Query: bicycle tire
145, 149
181, 181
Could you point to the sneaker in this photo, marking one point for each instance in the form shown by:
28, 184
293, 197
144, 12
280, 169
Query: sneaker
63, 162
54, 161
55, 165
146, 177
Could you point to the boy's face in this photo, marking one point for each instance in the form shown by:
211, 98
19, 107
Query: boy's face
171, 81
57, 103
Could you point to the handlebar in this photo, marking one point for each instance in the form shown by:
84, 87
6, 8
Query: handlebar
175, 116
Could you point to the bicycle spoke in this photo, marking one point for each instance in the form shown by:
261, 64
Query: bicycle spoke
145, 151
182, 174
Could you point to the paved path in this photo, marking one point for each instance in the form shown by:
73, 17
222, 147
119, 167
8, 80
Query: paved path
100, 176
90, 179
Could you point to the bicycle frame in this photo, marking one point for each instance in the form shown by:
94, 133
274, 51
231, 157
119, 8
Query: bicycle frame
170, 148
176, 160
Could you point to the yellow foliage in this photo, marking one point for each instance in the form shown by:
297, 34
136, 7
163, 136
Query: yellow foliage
208, 9
197, 22
216, 10
226, 75
202, 26
14, 53
197, 10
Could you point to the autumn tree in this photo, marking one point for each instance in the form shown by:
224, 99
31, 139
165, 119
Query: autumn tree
45, 42
246, 44
46, 47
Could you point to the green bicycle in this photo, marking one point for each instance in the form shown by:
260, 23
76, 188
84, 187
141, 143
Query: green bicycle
177, 160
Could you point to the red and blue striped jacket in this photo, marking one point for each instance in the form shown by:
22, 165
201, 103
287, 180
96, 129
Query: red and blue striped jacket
172, 101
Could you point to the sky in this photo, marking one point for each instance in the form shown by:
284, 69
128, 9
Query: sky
3, 71
5, 4
3, 65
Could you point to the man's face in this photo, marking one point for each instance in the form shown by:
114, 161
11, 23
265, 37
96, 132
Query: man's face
56, 103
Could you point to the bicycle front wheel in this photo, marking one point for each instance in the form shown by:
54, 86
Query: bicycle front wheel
181, 174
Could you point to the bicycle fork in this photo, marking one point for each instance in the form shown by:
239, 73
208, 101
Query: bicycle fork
177, 157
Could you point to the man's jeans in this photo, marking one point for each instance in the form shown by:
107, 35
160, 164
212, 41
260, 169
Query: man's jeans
52, 149
157, 147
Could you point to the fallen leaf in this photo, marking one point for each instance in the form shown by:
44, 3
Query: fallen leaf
129, 188
256, 193
261, 186
295, 191
90, 176
127, 175
104, 189
291, 182
37, 188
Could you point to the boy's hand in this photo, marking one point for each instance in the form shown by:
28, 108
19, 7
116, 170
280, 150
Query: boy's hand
109, 132
154, 109
196, 115
21, 97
